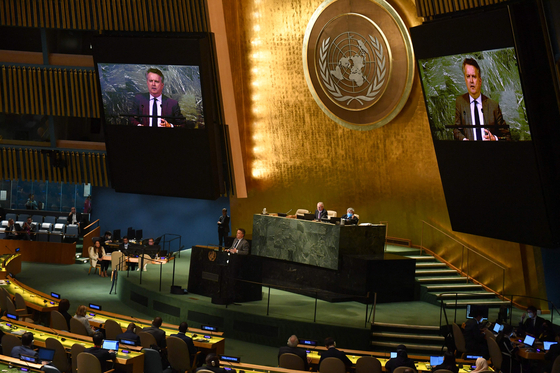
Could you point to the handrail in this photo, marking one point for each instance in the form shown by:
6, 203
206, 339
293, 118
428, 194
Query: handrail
469, 250
460, 243
92, 223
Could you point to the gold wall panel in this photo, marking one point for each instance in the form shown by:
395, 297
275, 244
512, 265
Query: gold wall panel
295, 156
431, 8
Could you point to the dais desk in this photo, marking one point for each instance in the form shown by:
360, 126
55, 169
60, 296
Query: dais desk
34, 299
12, 365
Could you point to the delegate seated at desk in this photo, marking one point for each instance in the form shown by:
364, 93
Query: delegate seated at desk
531, 323
126, 248
330, 344
100, 353
26, 347
81, 317
292, 348
350, 218
130, 335
240, 244
321, 213
11, 232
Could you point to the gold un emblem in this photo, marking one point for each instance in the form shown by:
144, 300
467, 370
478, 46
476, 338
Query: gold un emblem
358, 62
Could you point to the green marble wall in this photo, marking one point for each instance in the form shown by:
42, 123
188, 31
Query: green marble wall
313, 243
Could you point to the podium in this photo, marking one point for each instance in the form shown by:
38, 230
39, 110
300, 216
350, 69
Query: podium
223, 276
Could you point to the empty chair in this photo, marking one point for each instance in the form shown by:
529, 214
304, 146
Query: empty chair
11, 216
333, 365
88, 363
152, 361
495, 353
59, 227
60, 360
11, 308
332, 213
50, 219
62, 220
77, 327
400, 369
302, 211
459, 339
20, 303
130, 233
178, 355
118, 261
56, 237
112, 329
291, 361
43, 235
58, 321
23, 217
72, 231
8, 343
147, 340
368, 364
50, 369
75, 351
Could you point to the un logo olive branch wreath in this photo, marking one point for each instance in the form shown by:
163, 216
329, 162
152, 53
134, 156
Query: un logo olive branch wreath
373, 89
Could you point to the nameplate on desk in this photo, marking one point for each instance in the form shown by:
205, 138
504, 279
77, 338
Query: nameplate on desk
55, 295
308, 342
210, 276
232, 359
95, 307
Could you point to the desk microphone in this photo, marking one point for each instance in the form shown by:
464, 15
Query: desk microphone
290, 210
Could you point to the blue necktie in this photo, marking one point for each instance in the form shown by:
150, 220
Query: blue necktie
154, 114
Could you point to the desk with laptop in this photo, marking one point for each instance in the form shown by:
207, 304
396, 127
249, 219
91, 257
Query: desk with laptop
207, 340
127, 359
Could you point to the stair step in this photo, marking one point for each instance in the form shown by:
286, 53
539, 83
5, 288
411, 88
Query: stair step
442, 279
405, 326
421, 257
464, 303
433, 338
431, 265
409, 346
424, 272
453, 287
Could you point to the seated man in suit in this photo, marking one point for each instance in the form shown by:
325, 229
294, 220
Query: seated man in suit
12, 230
350, 218
100, 353
155, 109
531, 323
292, 348
74, 217
475, 340
158, 334
484, 110
330, 344
321, 213
240, 244
126, 248
26, 347
402, 360
130, 335
28, 229
183, 327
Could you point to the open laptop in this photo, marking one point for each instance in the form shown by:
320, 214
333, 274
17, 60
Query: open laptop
528, 341
436, 360
110, 345
497, 328
45, 354
547, 345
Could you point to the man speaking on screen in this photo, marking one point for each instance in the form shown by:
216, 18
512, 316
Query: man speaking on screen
153, 108
474, 108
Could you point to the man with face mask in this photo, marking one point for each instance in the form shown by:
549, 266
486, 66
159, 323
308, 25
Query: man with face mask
531, 323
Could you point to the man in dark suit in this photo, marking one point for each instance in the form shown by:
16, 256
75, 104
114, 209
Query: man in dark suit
74, 217
474, 108
12, 230
321, 213
402, 360
26, 347
350, 218
155, 109
240, 244
126, 248
100, 353
130, 335
475, 340
158, 334
330, 344
531, 323
183, 327
292, 348
223, 226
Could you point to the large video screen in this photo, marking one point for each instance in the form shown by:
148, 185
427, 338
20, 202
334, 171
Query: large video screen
164, 96
453, 83
162, 113
489, 97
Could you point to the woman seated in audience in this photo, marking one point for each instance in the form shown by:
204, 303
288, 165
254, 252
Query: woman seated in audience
481, 365
213, 364
96, 254
448, 363
81, 317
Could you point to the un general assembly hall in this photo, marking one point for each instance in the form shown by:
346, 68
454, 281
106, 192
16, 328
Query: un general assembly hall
280, 185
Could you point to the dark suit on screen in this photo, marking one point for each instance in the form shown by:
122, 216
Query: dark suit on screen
321, 214
296, 351
170, 111
492, 117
